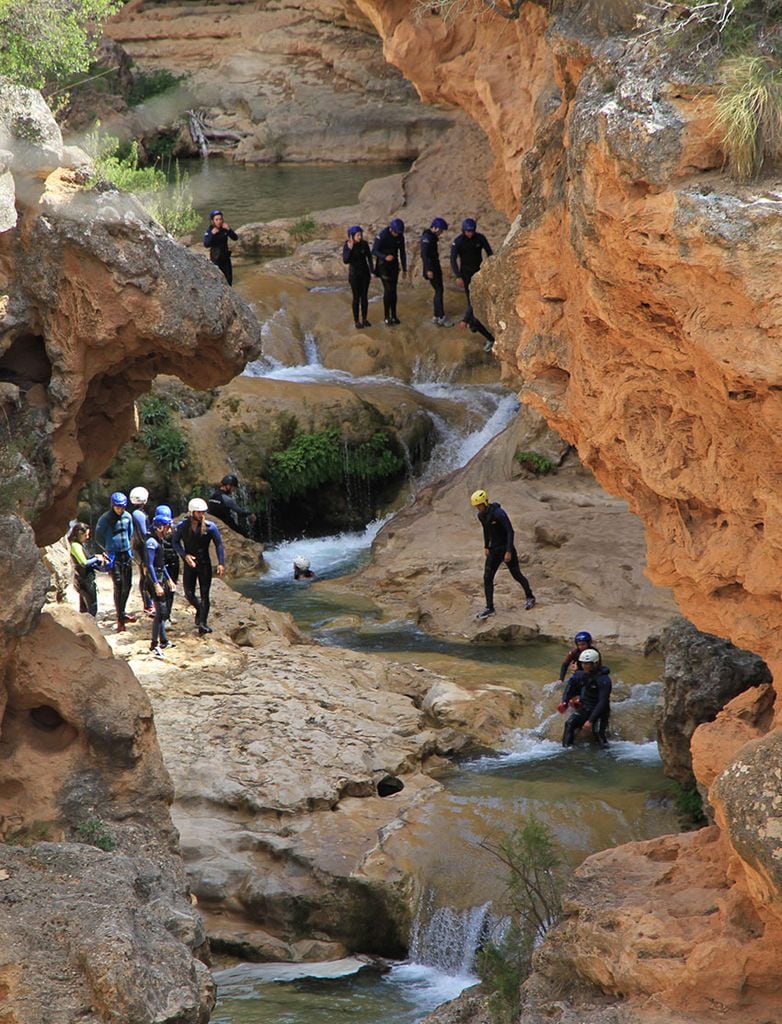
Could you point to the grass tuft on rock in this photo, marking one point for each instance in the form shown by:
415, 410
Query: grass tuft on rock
749, 114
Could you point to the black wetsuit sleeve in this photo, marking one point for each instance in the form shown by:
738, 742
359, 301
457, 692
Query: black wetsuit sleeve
402, 253
346, 253
572, 689
485, 246
232, 234
604, 687
566, 665
426, 255
210, 239
376, 250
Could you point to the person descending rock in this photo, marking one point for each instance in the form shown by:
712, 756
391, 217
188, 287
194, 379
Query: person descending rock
499, 548
356, 253
114, 533
216, 241
192, 538
588, 693
389, 252
84, 567
157, 581
222, 505
582, 640
301, 568
139, 496
467, 251
432, 271
171, 562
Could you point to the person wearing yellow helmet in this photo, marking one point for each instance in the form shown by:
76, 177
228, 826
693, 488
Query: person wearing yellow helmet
499, 549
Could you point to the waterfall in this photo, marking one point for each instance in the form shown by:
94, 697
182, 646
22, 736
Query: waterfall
448, 939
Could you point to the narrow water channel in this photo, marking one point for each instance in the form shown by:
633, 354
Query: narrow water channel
591, 799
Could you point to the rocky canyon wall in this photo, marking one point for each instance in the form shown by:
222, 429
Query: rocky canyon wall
636, 307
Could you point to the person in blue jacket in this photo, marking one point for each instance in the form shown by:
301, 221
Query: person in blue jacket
588, 693
356, 253
389, 252
432, 271
114, 534
157, 581
499, 549
216, 241
467, 251
192, 538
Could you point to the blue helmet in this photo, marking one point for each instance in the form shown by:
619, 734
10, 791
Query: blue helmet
583, 637
118, 498
468, 224
164, 510
215, 213
161, 519
354, 230
397, 225
438, 222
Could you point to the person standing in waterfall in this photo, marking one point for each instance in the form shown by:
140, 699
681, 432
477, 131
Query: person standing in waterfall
216, 241
588, 694
499, 549
432, 271
222, 505
467, 251
114, 533
357, 255
389, 252
191, 541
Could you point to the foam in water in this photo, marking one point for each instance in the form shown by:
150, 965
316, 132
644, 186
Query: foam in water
336, 554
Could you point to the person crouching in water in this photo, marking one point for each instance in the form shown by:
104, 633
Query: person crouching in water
301, 568
588, 693
157, 581
355, 252
84, 567
191, 541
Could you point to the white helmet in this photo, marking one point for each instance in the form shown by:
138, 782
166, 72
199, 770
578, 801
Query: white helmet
197, 505
139, 496
589, 656
301, 562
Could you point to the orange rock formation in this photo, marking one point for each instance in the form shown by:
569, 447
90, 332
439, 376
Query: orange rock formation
636, 305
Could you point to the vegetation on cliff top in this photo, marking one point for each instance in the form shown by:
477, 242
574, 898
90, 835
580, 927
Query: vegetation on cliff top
44, 41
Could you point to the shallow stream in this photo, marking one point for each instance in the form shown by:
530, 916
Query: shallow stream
590, 799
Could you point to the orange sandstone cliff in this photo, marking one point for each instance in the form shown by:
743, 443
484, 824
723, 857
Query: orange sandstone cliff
636, 305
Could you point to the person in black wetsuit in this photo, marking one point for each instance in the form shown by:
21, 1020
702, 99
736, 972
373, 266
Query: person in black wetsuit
499, 549
467, 251
171, 562
157, 581
222, 506
192, 538
582, 640
216, 241
390, 254
588, 693
432, 271
356, 253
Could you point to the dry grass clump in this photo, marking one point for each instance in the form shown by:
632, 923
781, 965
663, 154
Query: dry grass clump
749, 114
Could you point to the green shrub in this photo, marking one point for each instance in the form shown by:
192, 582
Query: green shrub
535, 463
689, 806
533, 904
95, 832
150, 83
749, 114
161, 434
303, 230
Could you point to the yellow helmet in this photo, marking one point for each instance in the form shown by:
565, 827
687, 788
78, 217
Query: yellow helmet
479, 498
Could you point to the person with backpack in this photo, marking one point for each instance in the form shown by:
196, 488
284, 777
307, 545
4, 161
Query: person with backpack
588, 694
192, 538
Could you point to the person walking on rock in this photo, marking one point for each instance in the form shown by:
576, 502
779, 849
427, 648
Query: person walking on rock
84, 567
432, 271
499, 549
222, 505
170, 560
157, 581
114, 533
588, 693
389, 252
216, 241
192, 538
357, 255
467, 251
139, 496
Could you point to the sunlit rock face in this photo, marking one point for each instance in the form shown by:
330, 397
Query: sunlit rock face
636, 306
